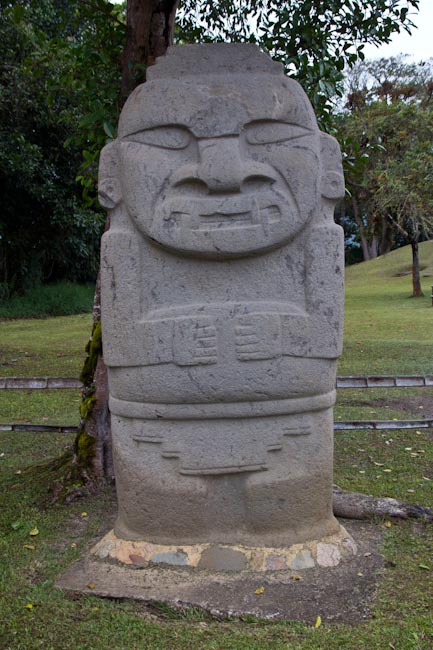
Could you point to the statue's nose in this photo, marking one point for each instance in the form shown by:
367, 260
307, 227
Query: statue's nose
221, 167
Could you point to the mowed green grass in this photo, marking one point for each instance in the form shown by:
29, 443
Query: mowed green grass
386, 332
44, 347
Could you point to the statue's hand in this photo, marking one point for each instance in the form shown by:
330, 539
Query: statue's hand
194, 341
258, 336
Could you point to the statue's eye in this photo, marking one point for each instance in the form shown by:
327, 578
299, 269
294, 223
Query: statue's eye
165, 137
269, 132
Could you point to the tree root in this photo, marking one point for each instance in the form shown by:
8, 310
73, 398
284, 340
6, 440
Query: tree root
354, 505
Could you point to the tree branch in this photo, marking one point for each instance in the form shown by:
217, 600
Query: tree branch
354, 505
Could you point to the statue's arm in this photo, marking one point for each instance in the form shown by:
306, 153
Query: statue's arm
120, 295
131, 339
320, 332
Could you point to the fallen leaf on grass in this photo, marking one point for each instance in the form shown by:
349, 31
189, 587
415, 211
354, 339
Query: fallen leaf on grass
28, 606
296, 578
34, 532
388, 524
318, 622
84, 514
360, 574
17, 524
424, 566
29, 546
91, 585
378, 464
259, 591
388, 471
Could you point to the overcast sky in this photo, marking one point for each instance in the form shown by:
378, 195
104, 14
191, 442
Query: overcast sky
418, 45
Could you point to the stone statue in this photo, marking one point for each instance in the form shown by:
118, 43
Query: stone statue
222, 303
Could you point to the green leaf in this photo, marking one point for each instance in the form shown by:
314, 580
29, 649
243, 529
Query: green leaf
17, 14
109, 129
19, 523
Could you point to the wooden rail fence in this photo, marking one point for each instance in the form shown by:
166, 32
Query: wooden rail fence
347, 381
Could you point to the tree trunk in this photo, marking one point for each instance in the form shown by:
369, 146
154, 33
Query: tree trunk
373, 247
149, 31
416, 280
358, 219
354, 505
386, 237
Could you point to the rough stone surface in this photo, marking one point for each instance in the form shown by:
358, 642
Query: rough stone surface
333, 549
338, 594
218, 558
328, 555
177, 558
222, 303
304, 560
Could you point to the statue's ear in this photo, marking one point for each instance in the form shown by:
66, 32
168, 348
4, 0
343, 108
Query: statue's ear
109, 190
332, 168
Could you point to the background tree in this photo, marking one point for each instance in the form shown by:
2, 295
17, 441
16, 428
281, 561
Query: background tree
386, 135
59, 63
404, 195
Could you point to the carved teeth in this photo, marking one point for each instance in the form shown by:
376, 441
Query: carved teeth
225, 220
271, 213
256, 212
218, 220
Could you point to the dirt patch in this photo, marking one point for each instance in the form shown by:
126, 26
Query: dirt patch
420, 406
339, 594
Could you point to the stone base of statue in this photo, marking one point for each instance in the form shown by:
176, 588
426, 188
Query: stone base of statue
330, 577
326, 552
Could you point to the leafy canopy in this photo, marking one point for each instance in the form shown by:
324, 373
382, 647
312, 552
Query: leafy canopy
386, 133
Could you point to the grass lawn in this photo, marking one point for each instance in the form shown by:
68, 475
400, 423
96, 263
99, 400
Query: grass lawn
386, 332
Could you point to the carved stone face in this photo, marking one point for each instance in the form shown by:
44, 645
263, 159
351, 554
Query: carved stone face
220, 167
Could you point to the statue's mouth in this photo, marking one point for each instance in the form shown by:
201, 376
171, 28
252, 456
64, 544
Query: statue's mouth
219, 220
210, 213
222, 226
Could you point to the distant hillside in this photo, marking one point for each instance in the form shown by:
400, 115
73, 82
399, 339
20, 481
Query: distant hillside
396, 267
